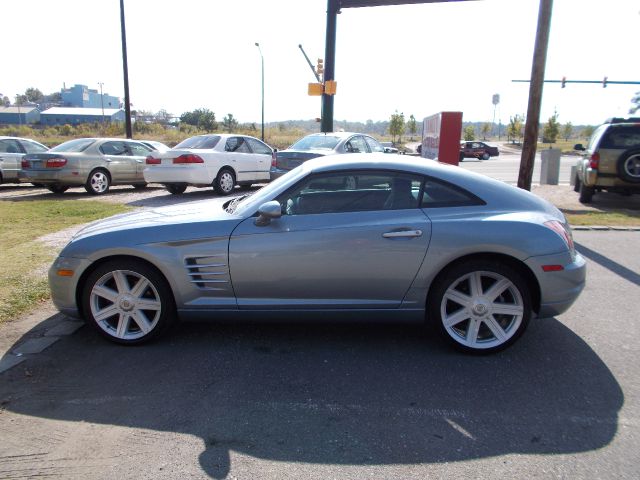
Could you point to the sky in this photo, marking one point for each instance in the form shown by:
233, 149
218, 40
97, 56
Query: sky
414, 59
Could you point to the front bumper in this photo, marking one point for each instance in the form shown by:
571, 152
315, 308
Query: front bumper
63, 289
558, 289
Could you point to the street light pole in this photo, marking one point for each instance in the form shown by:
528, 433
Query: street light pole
102, 105
262, 63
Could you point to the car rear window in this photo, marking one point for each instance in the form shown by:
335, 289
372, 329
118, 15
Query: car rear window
316, 142
199, 142
621, 136
78, 145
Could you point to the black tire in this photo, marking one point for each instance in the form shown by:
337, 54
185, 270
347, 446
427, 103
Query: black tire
57, 189
224, 182
98, 182
129, 320
629, 166
586, 193
487, 329
486, 156
576, 183
175, 188
139, 186
461, 158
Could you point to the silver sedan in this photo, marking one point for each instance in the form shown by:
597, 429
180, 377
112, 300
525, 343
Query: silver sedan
350, 236
12, 149
95, 163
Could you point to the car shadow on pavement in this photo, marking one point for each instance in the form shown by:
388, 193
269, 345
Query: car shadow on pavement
609, 264
328, 394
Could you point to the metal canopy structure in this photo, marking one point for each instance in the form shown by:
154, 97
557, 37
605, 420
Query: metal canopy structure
333, 8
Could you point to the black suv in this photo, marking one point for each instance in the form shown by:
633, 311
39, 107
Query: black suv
611, 160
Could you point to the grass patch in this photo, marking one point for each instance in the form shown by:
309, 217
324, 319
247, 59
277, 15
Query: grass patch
24, 260
611, 219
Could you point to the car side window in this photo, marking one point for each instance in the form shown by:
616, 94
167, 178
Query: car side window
10, 146
236, 145
138, 149
114, 148
374, 146
258, 147
442, 194
352, 192
33, 147
356, 145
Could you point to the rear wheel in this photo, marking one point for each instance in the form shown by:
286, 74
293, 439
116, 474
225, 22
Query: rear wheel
586, 193
480, 306
57, 189
175, 188
128, 301
139, 186
486, 156
224, 182
576, 183
98, 182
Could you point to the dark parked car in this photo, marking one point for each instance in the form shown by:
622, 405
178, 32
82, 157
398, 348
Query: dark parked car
477, 150
611, 160
394, 245
319, 145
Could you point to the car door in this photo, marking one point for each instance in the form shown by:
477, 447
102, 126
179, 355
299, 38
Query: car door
263, 155
239, 156
10, 157
338, 245
120, 163
138, 153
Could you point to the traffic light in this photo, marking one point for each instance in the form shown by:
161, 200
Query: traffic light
320, 67
564, 81
604, 82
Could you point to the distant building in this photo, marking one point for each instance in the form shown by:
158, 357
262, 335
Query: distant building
19, 115
75, 116
83, 96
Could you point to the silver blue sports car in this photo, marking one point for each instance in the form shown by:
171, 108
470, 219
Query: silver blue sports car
351, 236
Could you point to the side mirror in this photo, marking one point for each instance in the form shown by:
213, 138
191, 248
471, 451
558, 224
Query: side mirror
578, 146
267, 212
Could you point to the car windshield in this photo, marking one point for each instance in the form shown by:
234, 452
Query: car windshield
78, 145
200, 142
316, 142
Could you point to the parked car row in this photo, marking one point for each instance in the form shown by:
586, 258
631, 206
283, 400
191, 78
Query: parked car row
221, 161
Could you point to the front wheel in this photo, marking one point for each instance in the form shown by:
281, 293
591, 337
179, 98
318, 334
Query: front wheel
480, 306
224, 182
98, 182
128, 302
576, 183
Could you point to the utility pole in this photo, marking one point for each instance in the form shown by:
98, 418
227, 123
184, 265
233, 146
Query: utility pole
333, 6
102, 105
262, 60
125, 68
532, 124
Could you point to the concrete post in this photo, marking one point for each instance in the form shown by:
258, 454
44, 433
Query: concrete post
550, 167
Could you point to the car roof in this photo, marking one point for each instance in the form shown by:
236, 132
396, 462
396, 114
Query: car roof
336, 134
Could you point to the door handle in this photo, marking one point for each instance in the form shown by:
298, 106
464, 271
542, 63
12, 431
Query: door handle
403, 234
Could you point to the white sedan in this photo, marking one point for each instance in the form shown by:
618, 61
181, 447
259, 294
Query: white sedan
222, 161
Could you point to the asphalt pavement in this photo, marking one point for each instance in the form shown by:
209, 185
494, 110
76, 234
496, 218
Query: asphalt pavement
291, 401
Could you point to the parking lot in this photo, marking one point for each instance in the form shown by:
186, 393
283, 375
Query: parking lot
288, 400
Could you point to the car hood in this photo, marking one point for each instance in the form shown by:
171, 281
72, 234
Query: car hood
190, 221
